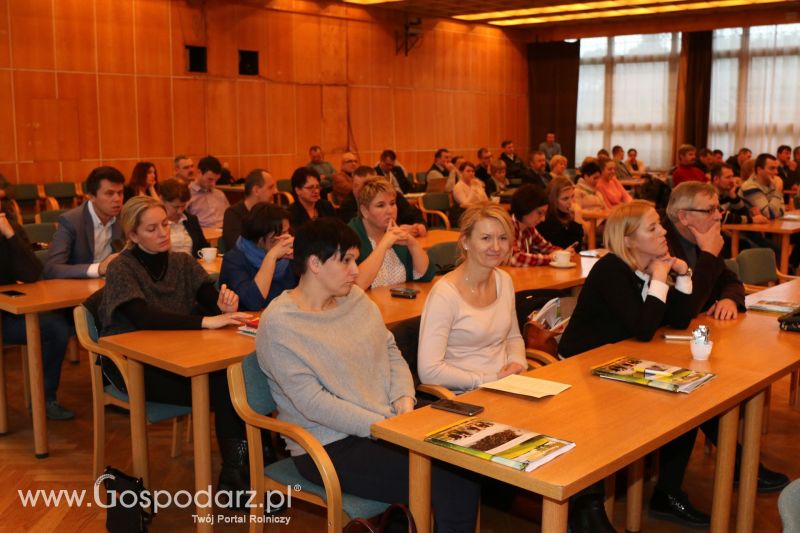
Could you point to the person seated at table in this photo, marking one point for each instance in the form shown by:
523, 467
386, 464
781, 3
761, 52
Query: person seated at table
469, 333
149, 287
257, 267
308, 204
687, 170
609, 186
143, 182
558, 167
89, 235
628, 294
389, 253
499, 182
337, 385
408, 217
636, 167
587, 197
18, 263
760, 192
468, 192
259, 186
528, 210
185, 233
560, 227
208, 203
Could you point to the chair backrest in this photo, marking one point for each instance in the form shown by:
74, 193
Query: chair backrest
285, 186
52, 215
789, 507
436, 185
443, 255
422, 177
40, 232
757, 266
26, 192
436, 201
61, 190
259, 395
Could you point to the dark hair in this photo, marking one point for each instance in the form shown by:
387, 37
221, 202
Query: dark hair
633, 150
138, 181
466, 164
102, 173
587, 169
761, 160
783, 148
209, 163
322, 238
255, 178
526, 199
704, 152
505, 143
262, 220
616, 149
455, 159
482, 151
602, 152
314, 148
388, 153
301, 175
363, 171
6, 206
743, 150
440, 152
716, 169
718, 152
174, 189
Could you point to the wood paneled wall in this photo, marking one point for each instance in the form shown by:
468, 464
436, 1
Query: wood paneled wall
89, 82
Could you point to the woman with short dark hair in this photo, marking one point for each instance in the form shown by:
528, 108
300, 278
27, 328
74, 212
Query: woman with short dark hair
528, 209
308, 203
185, 234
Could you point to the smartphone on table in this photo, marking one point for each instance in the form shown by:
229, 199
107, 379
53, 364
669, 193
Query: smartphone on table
403, 292
461, 408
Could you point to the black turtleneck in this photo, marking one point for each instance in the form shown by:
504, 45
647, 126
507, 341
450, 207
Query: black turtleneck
144, 316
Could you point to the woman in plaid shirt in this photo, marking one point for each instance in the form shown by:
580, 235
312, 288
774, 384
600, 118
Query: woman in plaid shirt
528, 209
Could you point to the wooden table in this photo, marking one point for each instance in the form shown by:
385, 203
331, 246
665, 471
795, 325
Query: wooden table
525, 278
213, 267
784, 228
212, 235
437, 236
593, 216
609, 432
632, 183
40, 297
189, 353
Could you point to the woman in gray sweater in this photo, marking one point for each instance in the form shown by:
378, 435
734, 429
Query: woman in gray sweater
337, 384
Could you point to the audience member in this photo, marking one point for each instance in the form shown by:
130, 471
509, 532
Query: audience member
389, 254
636, 167
89, 235
143, 182
185, 233
587, 197
514, 165
550, 147
468, 192
738, 160
184, 168
441, 169
308, 204
786, 169
705, 159
734, 210
208, 203
558, 167
499, 180
618, 155
609, 186
483, 170
19, 264
257, 267
149, 287
455, 173
528, 209
259, 186
342, 181
559, 227
536, 173
388, 168
469, 333
759, 191
687, 170
337, 385
318, 163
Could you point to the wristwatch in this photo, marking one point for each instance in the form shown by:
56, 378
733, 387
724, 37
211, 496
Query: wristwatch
689, 272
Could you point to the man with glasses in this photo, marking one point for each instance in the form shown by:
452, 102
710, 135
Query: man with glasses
482, 171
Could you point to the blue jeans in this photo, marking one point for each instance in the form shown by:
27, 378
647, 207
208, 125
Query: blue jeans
56, 331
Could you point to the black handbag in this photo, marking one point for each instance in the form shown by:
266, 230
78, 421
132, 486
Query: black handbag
790, 321
122, 515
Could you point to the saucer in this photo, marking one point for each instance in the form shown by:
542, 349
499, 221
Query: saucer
565, 265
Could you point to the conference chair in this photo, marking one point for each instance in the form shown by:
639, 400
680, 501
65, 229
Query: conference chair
284, 194
252, 399
51, 215
61, 193
435, 205
443, 255
28, 198
41, 233
109, 394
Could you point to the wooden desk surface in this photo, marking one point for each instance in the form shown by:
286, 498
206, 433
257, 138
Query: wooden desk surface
773, 226
212, 267
787, 292
614, 423
185, 352
48, 295
212, 235
436, 236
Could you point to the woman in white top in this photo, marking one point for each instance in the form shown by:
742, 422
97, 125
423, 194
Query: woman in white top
469, 333
185, 234
389, 253
469, 191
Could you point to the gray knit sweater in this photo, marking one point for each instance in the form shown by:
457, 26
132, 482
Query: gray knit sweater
333, 372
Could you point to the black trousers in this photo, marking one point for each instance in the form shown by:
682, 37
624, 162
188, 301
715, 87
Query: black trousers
379, 471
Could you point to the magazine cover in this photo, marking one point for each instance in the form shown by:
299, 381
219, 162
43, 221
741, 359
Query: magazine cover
630, 369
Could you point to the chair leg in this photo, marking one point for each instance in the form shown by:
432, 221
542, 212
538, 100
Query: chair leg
177, 440
610, 488
188, 437
99, 437
73, 352
765, 419
26, 381
794, 385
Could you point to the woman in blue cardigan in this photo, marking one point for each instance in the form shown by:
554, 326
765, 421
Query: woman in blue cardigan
389, 254
257, 268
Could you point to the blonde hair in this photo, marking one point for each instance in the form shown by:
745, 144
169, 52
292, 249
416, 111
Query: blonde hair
132, 213
557, 158
371, 188
496, 166
475, 214
622, 222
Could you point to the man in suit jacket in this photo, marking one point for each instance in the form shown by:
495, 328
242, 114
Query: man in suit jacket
88, 235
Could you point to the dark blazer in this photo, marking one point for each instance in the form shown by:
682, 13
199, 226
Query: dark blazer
17, 260
72, 249
610, 309
298, 214
398, 174
711, 279
192, 225
232, 223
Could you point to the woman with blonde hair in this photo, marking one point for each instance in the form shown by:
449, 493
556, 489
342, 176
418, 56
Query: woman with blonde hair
389, 253
630, 293
469, 333
558, 166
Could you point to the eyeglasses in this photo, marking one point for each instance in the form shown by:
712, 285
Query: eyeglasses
312, 187
346, 161
708, 211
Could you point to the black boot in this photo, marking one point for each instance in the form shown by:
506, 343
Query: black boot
588, 515
677, 508
234, 477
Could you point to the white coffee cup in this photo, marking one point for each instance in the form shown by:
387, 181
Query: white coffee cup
561, 257
700, 350
208, 254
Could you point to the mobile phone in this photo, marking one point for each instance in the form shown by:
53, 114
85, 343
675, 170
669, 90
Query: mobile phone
460, 408
12, 293
403, 292
671, 337
589, 253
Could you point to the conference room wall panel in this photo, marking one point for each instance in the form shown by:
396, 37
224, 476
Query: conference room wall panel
90, 82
